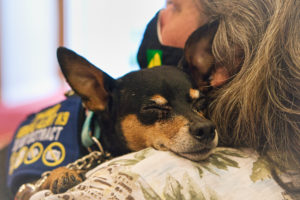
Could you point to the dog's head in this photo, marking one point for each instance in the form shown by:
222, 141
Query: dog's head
156, 107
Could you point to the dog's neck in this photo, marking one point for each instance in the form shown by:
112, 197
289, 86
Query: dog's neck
111, 142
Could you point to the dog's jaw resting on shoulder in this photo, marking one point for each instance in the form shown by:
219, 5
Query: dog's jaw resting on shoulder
173, 136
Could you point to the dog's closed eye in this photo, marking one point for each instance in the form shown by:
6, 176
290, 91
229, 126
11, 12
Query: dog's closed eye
158, 111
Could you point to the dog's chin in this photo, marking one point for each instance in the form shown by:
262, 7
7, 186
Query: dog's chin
197, 155
196, 151
188, 148
194, 155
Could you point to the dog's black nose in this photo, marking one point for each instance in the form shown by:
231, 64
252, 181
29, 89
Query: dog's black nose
203, 131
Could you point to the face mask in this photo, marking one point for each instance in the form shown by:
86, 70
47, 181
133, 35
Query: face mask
152, 53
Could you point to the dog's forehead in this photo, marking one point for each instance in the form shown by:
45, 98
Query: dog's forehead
157, 80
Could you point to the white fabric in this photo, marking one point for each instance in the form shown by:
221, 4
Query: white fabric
228, 174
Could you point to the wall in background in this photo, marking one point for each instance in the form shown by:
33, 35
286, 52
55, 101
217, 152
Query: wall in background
29, 40
108, 33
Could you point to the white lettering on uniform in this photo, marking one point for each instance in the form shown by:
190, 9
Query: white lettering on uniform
44, 134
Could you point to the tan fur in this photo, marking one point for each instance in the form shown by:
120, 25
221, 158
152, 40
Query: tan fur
260, 107
139, 136
158, 99
194, 94
61, 179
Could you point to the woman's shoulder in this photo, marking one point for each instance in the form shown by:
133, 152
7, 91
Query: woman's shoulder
150, 174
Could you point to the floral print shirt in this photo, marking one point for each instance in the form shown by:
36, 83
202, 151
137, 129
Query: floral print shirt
228, 174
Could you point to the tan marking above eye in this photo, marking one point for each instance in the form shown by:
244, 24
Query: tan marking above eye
158, 99
194, 93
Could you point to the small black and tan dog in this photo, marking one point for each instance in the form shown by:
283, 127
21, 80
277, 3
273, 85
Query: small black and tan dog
157, 107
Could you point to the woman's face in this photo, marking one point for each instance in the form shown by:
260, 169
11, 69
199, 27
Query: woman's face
178, 20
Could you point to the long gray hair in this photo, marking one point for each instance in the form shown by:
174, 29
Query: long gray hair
260, 106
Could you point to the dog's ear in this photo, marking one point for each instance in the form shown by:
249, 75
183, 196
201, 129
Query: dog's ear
198, 58
89, 82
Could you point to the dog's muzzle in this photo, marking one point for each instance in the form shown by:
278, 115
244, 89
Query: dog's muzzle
205, 132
